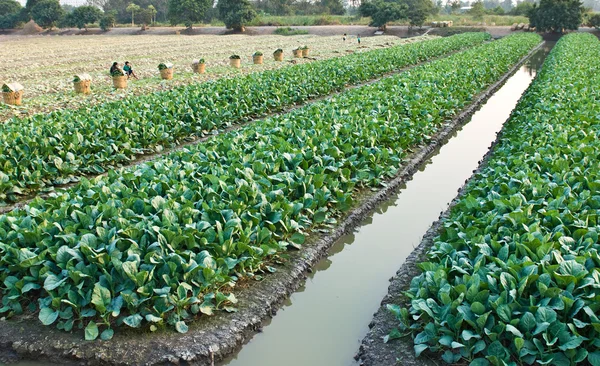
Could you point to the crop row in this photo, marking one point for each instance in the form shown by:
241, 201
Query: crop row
155, 243
45, 150
514, 276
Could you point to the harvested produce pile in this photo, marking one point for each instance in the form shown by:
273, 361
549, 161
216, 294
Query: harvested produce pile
514, 276
53, 149
162, 242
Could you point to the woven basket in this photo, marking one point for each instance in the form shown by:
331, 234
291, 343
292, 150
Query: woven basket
166, 74
297, 53
305, 52
83, 86
14, 98
199, 68
278, 56
120, 82
235, 62
258, 60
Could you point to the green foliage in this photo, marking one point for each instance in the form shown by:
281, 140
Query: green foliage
477, 10
10, 14
46, 13
53, 148
235, 13
594, 21
82, 16
9, 7
153, 244
334, 7
144, 16
517, 261
556, 15
107, 20
523, 8
188, 12
383, 11
257, 53
234, 57
418, 10
288, 31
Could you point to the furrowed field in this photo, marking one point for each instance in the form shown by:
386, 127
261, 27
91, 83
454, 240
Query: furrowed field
46, 65
155, 213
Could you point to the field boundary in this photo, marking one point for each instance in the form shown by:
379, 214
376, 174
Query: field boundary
215, 338
144, 158
372, 351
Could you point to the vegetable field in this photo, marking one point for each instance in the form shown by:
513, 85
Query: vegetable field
161, 243
46, 65
57, 148
513, 277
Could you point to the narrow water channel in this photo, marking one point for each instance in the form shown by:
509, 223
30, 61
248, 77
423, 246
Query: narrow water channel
323, 323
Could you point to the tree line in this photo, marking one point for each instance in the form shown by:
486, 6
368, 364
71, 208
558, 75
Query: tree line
552, 15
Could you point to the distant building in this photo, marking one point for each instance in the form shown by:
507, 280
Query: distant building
464, 9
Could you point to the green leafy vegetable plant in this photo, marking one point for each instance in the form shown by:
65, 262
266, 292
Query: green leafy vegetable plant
56, 148
166, 241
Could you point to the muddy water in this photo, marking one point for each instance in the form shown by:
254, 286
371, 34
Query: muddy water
323, 323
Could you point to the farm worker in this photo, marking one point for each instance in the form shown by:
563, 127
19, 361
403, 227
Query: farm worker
344, 37
358, 38
114, 67
128, 70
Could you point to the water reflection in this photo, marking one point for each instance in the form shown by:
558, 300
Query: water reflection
535, 62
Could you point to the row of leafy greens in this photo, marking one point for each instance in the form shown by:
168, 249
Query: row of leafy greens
57, 148
166, 241
514, 276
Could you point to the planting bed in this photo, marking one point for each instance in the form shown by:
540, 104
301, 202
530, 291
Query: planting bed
510, 274
166, 241
57, 148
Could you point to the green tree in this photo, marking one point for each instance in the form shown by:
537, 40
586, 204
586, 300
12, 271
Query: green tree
108, 20
417, 11
334, 7
153, 11
556, 15
132, 8
594, 21
10, 14
47, 12
144, 17
498, 10
280, 7
455, 7
83, 15
236, 13
8, 7
477, 10
188, 12
382, 12
523, 8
